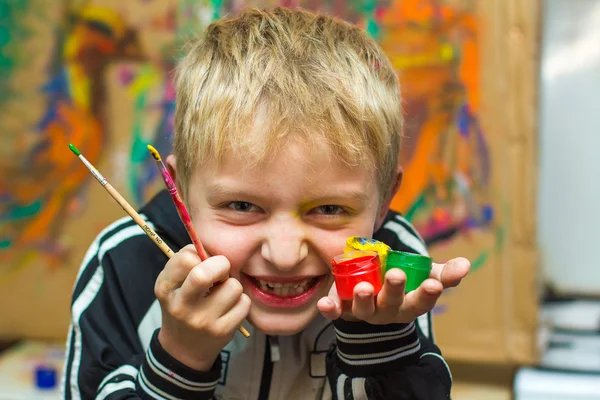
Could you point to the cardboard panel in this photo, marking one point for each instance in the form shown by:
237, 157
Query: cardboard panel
492, 316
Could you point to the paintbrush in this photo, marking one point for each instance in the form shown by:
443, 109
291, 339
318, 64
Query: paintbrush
124, 204
182, 211
131, 211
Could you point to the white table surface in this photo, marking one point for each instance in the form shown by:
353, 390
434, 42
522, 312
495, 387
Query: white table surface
17, 370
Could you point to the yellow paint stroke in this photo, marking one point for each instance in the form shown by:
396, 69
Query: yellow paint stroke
148, 78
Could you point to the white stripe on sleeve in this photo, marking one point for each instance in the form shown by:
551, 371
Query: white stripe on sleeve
414, 230
151, 321
114, 387
358, 338
339, 390
176, 379
152, 390
380, 358
93, 249
122, 370
358, 389
407, 237
423, 321
442, 359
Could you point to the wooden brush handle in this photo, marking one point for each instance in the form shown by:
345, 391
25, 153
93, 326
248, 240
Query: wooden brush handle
139, 220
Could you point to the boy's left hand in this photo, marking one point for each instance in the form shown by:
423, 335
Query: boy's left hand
392, 305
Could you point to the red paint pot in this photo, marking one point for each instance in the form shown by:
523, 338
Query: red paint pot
353, 267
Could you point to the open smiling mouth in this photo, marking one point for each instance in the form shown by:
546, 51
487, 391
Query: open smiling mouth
289, 293
285, 289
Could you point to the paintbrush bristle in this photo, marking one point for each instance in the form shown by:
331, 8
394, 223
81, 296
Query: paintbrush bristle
74, 149
154, 152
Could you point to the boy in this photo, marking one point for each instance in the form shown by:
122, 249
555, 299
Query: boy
287, 134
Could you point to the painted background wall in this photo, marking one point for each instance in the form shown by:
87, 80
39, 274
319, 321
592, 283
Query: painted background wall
98, 74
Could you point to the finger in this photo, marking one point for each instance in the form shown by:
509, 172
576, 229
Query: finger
230, 321
451, 273
421, 300
202, 277
224, 296
330, 306
176, 271
392, 293
363, 304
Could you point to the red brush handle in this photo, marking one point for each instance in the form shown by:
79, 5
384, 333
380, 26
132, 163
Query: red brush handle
189, 227
182, 211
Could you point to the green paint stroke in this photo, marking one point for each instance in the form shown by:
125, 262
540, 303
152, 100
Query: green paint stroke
146, 80
415, 207
367, 9
373, 28
217, 6
5, 244
139, 145
12, 34
479, 261
20, 212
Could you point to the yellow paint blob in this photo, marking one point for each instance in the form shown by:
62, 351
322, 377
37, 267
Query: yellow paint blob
354, 243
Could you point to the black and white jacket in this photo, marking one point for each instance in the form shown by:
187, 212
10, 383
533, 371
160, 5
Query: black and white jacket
113, 351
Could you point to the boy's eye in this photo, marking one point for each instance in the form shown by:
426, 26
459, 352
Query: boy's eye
242, 206
330, 210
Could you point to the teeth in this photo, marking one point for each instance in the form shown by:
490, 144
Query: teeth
284, 289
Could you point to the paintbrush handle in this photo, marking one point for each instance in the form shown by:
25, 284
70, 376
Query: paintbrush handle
243, 331
139, 220
189, 226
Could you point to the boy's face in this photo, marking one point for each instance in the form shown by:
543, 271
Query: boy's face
280, 224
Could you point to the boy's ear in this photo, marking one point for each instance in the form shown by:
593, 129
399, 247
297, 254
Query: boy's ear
385, 206
171, 162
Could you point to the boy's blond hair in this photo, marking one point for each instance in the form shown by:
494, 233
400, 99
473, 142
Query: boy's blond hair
252, 81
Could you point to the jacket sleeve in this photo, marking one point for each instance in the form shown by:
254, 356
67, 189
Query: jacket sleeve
105, 357
394, 361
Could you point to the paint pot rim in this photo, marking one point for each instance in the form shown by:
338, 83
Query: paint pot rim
408, 260
355, 263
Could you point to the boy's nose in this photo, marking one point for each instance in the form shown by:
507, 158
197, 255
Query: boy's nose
285, 244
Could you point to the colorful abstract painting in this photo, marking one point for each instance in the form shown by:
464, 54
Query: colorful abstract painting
445, 154
433, 45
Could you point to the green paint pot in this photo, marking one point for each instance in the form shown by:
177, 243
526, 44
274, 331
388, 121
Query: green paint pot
416, 267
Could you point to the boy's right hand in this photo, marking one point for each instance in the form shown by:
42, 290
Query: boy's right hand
197, 320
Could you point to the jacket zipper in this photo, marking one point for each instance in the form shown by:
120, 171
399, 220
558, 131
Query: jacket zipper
267, 373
